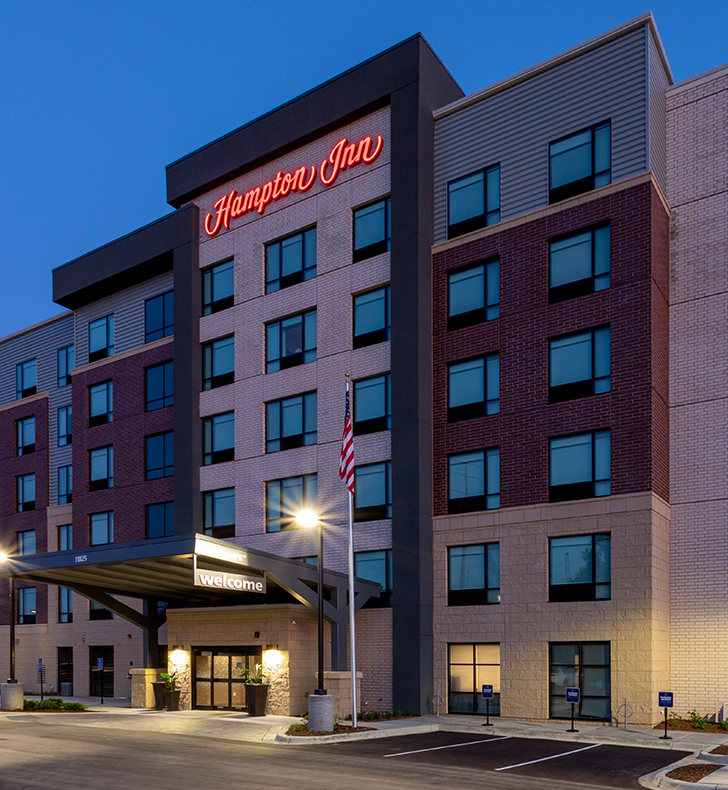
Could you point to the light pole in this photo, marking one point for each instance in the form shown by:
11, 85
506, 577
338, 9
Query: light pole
11, 693
308, 519
3, 559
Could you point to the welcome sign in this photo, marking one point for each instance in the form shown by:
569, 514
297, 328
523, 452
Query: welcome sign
235, 582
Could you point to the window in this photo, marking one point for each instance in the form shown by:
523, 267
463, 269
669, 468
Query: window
582, 665
65, 357
580, 568
372, 230
372, 319
26, 606
579, 365
469, 668
291, 341
159, 385
579, 466
580, 162
26, 493
308, 560
218, 288
102, 528
101, 469
218, 363
219, 513
372, 405
26, 541
25, 432
473, 575
97, 612
218, 438
473, 201
285, 498
474, 481
101, 338
25, 379
473, 388
100, 403
159, 316
291, 422
65, 537
160, 455
65, 605
290, 261
65, 484
376, 566
64, 426
579, 264
373, 492
160, 520
473, 295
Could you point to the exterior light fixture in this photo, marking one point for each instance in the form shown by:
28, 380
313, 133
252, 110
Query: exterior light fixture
272, 657
308, 519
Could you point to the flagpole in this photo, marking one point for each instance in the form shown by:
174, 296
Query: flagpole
352, 634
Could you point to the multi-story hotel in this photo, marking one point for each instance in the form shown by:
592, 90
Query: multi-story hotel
527, 288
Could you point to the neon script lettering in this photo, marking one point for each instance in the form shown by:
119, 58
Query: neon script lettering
343, 155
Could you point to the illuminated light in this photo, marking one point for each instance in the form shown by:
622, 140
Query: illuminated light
378, 150
178, 656
307, 519
3, 556
335, 160
272, 658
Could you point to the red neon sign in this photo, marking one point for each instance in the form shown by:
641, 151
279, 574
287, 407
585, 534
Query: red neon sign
343, 155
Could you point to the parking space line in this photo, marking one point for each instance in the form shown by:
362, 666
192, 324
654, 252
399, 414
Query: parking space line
553, 757
450, 746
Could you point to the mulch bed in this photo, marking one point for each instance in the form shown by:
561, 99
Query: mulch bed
720, 750
677, 724
340, 729
693, 772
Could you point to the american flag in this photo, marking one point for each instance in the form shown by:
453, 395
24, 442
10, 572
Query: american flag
346, 465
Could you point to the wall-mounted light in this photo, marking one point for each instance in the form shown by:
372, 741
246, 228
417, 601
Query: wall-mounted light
272, 656
178, 655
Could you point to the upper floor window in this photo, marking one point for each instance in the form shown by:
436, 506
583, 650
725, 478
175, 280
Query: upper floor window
102, 528
287, 497
97, 612
219, 513
473, 574
159, 386
64, 426
65, 537
25, 493
160, 455
579, 365
291, 341
291, 422
159, 316
101, 338
65, 358
26, 379
579, 264
474, 481
372, 230
372, 404
26, 541
101, 468
376, 566
218, 438
218, 363
160, 520
473, 295
26, 606
580, 568
373, 492
580, 162
579, 466
101, 403
290, 261
473, 388
65, 605
372, 319
65, 484
473, 201
25, 434
218, 288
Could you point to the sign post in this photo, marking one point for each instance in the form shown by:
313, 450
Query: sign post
487, 694
41, 677
100, 668
664, 700
572, 696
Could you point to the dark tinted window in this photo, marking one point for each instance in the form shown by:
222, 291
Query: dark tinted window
159, 386
474, 481
580, 162
580, 568
372, 320
372, 230
580, 466
579, 264
473, 201
159, 316
473, 388
372, 404
65, 358
65, 485
101, 468
101, 403
290, 261
25, 435
218, 288
579, 365
218, 438
473, 295
160, 520
376, 566
160, 455
26, 379
291, 422
101, 338
473, 575
219, 513
373, 492
291, 341
25, 493
218, 363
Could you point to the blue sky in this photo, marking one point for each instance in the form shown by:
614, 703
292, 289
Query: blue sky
96, 98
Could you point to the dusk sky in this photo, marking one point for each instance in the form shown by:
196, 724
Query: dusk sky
97, 98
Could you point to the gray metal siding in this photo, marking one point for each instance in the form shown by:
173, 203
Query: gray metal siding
515, 126
658, 83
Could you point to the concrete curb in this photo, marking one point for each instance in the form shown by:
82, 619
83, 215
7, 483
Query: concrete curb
657, 779
356, 736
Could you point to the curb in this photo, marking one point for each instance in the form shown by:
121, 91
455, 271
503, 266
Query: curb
658, 779
355, 736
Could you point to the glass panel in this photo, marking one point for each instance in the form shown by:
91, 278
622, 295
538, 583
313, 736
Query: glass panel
601, 250
220, 695
595, 682
466, 475
571, 159
291, 255
493, 462
601, 352
562, 678
466, 383
493, 189
203, 666
369, 225
237, 665
372, 565
223, 357
467, 567
595, 653
461, 678
310, 336
466, 198
292, 335
220, 666
204, 689
237, 695
594, 708
292, 416
603, 558
571, 560
461, 702
461, 654
571, 259
466, 290
371, 485
570, 359
370, 399
602, 454
602, 148
487, 654
224, 507
564, 654
273, 344
571, 460
489, 675
560, 708
369, 312
492, 384
493, 552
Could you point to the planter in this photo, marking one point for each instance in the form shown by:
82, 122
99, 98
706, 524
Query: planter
256, 696
172, 699
158, 686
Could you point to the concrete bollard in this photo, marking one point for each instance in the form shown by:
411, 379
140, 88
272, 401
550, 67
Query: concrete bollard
321, 712
11, 696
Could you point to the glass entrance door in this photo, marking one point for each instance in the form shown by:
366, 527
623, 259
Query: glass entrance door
219, 675
103, 676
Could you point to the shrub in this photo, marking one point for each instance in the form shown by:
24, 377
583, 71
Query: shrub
54, 703
396, 713
409, 712
699, 722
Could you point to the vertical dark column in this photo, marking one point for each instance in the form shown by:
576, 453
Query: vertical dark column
150, 636
187, 382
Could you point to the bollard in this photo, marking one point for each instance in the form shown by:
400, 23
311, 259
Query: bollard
438, 700
625, 710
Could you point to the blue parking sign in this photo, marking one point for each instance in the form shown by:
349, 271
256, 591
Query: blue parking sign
40, 665
99, 663
572, 695
487, 692
665, 699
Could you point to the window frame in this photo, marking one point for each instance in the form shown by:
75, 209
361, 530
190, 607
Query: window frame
491, 306
167, 400
109, 527
65, 605
98, 612
379, 511
385, 595
581, 591
167, 455
595, 179
486, 407
379, 423
583, 388
67, 354
578, 679
22, 372
490, 499
31, 618
374, 336
167, 327
487, 595
209, 426
585, 489
104, 454
307, 270
65, 470
600, 247
381, 245
213, 381
65, 438
309, 414
220, 531
22, 427
309, 501
101, 418
65, 535
479, 705
287, 361
23, 537
477, 221
102, 352
22, 482
209, 275
167, 519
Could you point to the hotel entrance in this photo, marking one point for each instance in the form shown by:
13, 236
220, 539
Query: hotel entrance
219, 676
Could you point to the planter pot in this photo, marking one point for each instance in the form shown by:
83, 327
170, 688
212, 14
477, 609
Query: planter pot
172, 699
158, 687
256, 697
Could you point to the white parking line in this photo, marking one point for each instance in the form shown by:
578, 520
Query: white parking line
451, 746
553, 757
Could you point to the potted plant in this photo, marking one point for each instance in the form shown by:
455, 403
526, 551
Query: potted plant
171, 689
256, 690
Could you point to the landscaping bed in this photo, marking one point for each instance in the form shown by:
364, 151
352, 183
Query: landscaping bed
692, 773
694, 723
339, 729
723, 749
52, 705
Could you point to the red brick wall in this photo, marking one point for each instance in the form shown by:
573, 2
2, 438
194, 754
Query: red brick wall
635, 306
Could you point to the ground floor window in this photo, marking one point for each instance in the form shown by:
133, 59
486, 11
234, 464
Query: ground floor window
469, 668
65, 671
582, 665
